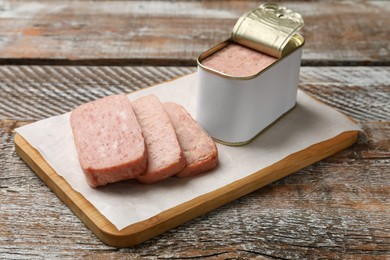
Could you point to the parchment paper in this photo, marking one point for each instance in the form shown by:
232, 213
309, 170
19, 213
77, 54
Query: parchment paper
129, 202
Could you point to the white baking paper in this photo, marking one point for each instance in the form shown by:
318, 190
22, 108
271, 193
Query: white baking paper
129, 202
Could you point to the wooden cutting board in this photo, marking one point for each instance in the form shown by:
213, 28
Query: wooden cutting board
144, 230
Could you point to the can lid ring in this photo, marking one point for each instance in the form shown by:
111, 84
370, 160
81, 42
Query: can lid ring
268, 28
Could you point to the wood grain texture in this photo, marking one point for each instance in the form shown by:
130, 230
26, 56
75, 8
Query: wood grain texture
176, 32
362, 93
337, 209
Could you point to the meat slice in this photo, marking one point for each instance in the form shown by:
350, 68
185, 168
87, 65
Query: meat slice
165, 157
199, 149
108, 140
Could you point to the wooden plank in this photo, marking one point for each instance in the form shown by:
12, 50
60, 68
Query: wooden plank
347, 90
47, 91
175, 33
337, 208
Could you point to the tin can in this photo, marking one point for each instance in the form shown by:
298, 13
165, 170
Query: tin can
236, 109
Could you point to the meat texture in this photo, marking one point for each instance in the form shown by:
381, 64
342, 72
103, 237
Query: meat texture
165, 157
199, 149
108, 140
238, 61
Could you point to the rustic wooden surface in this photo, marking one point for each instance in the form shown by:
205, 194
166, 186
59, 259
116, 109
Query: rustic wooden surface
166, 32
337, 208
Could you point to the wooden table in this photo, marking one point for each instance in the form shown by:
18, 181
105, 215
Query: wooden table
57, 55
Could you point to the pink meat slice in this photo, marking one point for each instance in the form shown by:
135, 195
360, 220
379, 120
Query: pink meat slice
165, 157
108, 140
199, 149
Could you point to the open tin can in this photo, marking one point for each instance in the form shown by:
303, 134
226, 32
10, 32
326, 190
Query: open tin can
235, 109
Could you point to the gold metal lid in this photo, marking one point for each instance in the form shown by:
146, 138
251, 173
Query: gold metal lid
268, 29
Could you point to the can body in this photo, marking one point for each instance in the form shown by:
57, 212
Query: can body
235, 110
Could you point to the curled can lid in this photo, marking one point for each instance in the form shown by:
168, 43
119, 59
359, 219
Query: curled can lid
268, 28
